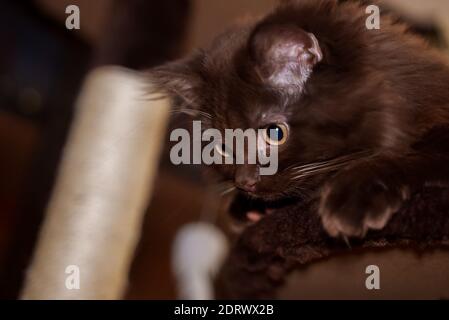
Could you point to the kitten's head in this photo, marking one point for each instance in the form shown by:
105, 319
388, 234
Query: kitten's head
301, 72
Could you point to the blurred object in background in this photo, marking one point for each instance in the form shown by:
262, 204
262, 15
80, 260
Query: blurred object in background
429, 18
418, 11
94, 16
198, 253
141, 34
42, 65
212, 17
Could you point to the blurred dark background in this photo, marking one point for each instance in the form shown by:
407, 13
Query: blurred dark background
42, 65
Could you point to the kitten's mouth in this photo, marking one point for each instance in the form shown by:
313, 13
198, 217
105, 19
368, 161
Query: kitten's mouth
260, 196
250, 208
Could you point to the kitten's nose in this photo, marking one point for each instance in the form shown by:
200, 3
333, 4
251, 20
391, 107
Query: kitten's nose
246, 178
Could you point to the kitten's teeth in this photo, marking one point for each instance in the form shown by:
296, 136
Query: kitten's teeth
346, 239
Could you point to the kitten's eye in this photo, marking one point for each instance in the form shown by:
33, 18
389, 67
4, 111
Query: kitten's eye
276, 134
223, 150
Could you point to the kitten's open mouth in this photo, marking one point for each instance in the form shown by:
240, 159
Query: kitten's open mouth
245, 208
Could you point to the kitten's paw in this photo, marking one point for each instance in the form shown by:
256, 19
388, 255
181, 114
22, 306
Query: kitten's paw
351, 204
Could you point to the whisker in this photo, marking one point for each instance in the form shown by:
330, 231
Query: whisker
328, 166
223, 185
346, 240
318, 171
185, 111
191, 112
352, 156
227, 191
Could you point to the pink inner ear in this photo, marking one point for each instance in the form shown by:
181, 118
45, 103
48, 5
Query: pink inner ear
285, 55
295, 47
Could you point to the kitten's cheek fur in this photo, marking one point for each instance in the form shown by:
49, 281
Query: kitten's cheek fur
348, 210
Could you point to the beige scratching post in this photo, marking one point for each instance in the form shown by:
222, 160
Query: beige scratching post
94, 219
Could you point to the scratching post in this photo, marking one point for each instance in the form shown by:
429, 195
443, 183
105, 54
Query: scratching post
93, 220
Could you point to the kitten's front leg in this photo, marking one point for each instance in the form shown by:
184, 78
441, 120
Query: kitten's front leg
363, 197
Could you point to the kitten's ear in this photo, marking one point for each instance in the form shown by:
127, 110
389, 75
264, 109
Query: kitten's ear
284, 55
179, 80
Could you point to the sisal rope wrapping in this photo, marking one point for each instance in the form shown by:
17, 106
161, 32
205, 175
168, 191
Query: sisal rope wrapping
94, 218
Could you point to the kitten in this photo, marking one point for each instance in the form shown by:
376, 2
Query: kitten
349, 104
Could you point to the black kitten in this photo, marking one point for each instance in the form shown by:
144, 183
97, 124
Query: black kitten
350, 104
